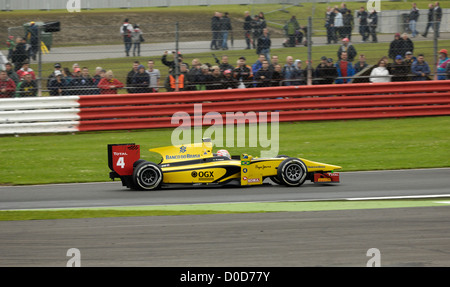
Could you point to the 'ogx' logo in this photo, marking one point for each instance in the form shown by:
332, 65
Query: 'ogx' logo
208, 174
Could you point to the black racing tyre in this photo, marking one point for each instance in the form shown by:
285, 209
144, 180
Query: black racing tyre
147, 176
275, 178
292, 172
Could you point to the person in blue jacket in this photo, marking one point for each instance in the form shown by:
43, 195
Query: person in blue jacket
420, 69
345, 69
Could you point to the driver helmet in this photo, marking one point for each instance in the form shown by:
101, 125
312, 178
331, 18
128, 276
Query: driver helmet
223, 152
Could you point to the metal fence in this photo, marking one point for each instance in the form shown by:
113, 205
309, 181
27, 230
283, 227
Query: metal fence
88, 53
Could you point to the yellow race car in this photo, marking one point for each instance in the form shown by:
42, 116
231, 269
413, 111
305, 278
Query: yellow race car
196, 164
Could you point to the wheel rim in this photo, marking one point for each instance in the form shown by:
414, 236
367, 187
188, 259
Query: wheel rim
149, 177
294, 172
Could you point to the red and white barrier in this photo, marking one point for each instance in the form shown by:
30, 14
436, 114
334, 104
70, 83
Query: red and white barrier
293, 103
39, 115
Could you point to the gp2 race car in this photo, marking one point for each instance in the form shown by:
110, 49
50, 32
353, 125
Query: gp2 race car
196, 164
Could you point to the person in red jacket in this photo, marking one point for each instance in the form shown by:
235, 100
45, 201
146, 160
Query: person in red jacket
7, 86
26, 69
109, 85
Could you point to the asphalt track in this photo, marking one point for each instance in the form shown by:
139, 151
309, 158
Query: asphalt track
353, 185
404, 236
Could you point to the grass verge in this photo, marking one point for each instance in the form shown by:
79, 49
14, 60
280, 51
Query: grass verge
228, 208
355, 145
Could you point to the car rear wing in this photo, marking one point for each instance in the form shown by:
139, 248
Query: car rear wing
121, 158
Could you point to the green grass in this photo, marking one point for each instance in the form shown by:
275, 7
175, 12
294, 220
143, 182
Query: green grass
354, 145
228, 208
86, 213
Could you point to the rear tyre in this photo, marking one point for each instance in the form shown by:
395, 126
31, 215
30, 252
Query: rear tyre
292, 172
147, 176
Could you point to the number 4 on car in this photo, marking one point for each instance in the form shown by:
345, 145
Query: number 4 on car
196, 164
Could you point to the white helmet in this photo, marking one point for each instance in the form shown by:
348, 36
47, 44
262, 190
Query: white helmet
223, 152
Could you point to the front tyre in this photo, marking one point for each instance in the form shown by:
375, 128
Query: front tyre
292, 172
147, 176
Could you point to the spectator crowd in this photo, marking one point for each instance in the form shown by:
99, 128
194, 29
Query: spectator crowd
400, 64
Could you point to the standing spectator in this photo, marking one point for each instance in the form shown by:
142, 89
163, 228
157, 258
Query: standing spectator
141, 80
329, 25
173, 84
348, 24
19, 54
443, 61
373, 23
263, 76
409, 58
380, 74
413, 18
130, 76
57, 84
430, 22
99, 74
300, 75
420, 69
155, 76
243, 73
407, 45
11, 44
194, 72
11, 73
67, 75
273, 62
136, 38
247, 29
109, 85
26, 88
26, 69
171, 64
202, 78
258, 64
349, 48
215, 29
56, 68
32, 35
290, 28
7, 86
214, 79
225, 24
228, 81
361, 65
126, 30
277, 76
288, 70
345, 69
87, 82
76, 87
256, 30
396, 47
399, 70
339, 23
320, 71
225, 65
264, 44
438, 17
331, 73
363, 23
